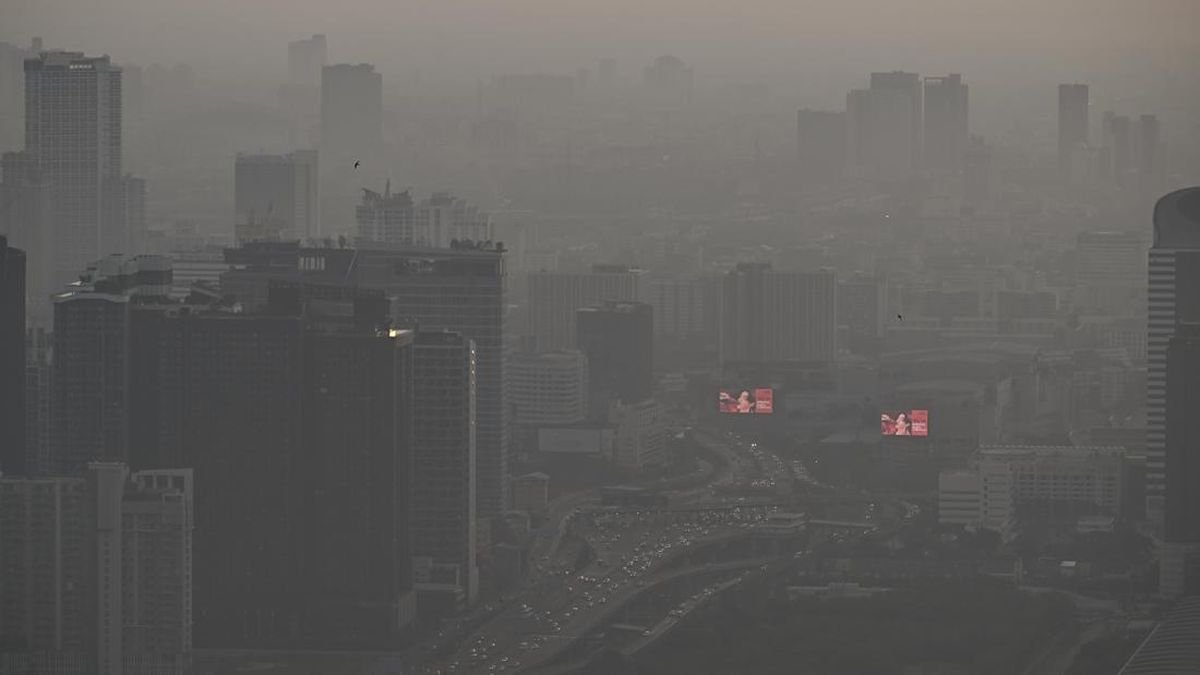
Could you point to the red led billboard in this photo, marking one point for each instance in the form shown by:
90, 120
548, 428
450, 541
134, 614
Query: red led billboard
760, 401
904, 423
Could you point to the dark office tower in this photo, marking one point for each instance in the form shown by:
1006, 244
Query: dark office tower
946, 131
92, 350
351, 112
276, 196
298, 414
1183, 435
618, 340
456, 289
356, 472
1179, 568
12, 360
443, 483
894, 124
769, 316
39, 398
306, 58
73, 134
820, 144
1174, 298
1072, 123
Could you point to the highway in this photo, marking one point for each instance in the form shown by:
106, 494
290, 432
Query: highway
630, 549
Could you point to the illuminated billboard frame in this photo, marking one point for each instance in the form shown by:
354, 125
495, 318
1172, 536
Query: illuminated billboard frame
905, 423
758, 401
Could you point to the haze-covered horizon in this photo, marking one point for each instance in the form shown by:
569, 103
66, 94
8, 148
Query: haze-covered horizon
763, 39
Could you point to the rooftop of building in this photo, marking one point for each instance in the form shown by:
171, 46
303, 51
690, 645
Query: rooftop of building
1051, 450
1177, 220
1173, 646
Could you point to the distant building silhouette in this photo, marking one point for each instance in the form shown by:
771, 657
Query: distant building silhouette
306, 58
946, 123
1072, 124
276, 196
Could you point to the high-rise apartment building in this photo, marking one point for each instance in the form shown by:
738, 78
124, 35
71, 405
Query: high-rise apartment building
555, 297
436, 222
1072, 123
618, 340
456, 289
13, 458
548, 388
442, 514
97, 569
1174, 298
684, 307
946, 129
276, 197
769, 316
73, 135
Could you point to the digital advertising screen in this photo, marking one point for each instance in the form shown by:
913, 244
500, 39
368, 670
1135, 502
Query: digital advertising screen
904, 423
759, 401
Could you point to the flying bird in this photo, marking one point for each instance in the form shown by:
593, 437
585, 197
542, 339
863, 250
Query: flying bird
899, 317
356, 163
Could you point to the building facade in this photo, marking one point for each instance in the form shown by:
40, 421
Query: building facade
276, 196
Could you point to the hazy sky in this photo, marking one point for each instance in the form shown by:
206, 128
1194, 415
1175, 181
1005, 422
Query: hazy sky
1033, 41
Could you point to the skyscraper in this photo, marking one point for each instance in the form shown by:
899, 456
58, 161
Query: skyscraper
12, 95
555, 297
1179, 572
618, 340
277, 196
12, 360
73, 135
1072, 123
444, 458
306, 58
456, 289
769, 316
351, 112
946, 129
300, 414
894, 124
1174, 298
92, 358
